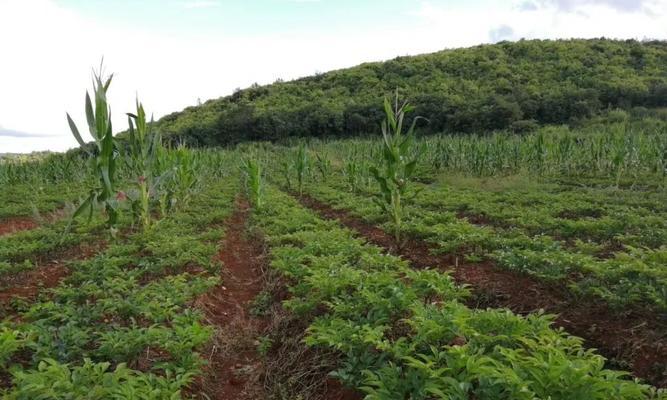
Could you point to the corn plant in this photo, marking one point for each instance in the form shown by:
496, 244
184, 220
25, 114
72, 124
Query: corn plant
185, 179
145, 146
351, 172
286, 172
103, 158
301, 166
323, 164
398, 163
177, 177
253, 181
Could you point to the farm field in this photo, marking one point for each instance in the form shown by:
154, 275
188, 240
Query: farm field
516, 269
505, 238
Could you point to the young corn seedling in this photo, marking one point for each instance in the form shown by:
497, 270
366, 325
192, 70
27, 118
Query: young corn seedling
323, 164
253, 181
301, 165
178, 172
286, 172
103, 158
351, 172
398, 163
186, 178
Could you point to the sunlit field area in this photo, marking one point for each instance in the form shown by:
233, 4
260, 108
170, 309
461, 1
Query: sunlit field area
474, 223
484, 266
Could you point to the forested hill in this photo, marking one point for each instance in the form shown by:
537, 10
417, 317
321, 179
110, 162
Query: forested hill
501, 86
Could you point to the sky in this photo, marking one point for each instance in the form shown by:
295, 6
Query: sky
173, 53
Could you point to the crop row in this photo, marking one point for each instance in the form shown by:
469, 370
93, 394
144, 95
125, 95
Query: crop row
618, 258
405, 333
26, 200
122, 324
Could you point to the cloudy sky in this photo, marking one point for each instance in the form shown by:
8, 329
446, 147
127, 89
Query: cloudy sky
174, 52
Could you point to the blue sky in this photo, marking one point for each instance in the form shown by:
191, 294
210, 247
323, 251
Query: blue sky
171, 53
238, 17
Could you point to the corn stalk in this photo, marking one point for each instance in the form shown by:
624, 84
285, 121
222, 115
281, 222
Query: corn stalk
398, 163
301, 165
253, 181
103, 159
144, 147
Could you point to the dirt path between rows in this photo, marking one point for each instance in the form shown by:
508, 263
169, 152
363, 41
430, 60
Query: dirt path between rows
236, 370
634, 340
235, 367
16, 224
48, 273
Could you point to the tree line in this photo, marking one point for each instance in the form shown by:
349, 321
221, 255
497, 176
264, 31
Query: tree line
515, 86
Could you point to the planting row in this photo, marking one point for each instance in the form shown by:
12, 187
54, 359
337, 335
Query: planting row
609, 250
24, 251
405, 333
122, 324
30, 200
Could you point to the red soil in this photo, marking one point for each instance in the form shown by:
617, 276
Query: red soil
16, 224
47, 274
234, 365
336, 391
235, 370
634, 337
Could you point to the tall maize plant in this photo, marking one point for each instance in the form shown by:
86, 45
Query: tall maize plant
398, 164
252, 172
103, 158
145, 146
301, 165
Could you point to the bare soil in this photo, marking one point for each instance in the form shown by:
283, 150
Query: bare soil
49, 271
16, 224
235, 368
634, 339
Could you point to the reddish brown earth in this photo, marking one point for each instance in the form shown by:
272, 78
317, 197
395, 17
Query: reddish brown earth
16, 224
235, 367
47, 274
635, 337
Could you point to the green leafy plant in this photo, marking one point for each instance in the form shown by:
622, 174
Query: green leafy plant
352, 172
253, 181
301, 166
323, 164
105, 153
285, 168
398, 163
144, 147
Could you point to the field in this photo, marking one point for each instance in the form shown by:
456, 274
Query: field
453, 267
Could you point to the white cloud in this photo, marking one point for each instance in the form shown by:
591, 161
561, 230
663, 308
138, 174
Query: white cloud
45, 66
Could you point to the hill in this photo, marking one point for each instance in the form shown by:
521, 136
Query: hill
508, 85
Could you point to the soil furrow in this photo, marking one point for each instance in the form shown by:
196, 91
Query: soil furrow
16, 224
234, 369
631, 340
25, 286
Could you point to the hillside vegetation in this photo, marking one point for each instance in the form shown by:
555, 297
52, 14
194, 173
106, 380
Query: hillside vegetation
515, 86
